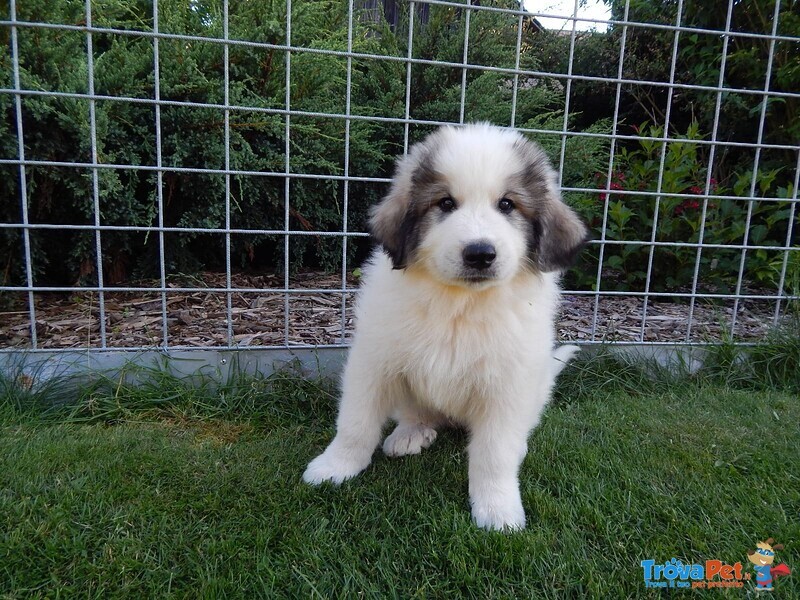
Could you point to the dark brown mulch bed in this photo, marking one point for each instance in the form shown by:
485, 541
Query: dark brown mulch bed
259, 319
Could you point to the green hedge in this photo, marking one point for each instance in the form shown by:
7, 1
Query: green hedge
192, 71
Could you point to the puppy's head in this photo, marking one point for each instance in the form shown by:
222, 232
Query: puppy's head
473, 206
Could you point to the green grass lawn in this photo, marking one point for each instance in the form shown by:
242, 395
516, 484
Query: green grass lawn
161, 490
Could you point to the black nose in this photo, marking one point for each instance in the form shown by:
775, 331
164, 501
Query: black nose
479, 255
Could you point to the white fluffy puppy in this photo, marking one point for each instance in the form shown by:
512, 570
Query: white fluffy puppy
455, 315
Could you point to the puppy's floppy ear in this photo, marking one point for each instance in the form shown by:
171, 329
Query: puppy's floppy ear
395, 222
561, 235
557, 233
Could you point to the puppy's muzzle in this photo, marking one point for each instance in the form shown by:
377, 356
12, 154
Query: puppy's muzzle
479, 255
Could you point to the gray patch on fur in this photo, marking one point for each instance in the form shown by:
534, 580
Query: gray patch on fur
556, 234
397, 223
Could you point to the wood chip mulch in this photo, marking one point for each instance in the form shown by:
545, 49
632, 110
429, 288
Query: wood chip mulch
199, 319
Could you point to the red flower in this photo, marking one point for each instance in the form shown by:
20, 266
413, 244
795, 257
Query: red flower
686, 205
695, 189
616, 183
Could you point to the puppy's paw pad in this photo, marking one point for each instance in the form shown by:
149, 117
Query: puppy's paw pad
499, 516
408, 439
332, 468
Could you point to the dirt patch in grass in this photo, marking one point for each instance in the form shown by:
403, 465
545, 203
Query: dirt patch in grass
216, 432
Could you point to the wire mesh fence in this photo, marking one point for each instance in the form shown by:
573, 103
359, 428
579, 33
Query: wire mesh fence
184, 174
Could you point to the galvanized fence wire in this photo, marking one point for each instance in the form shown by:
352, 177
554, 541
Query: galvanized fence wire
162, 269
611, 153
662, 162
614, 138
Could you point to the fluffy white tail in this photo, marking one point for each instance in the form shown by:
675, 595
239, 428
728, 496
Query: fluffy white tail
562, 355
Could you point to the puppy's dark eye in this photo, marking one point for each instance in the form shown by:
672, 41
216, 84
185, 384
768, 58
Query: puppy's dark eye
447, 204
505, 205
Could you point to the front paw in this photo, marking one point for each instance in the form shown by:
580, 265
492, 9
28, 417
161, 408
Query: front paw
335, 467
500, 514
409, 439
